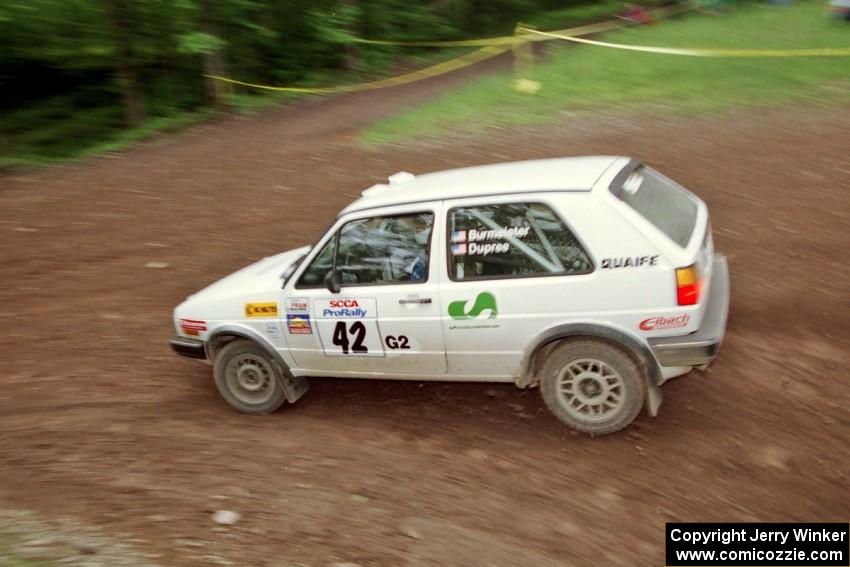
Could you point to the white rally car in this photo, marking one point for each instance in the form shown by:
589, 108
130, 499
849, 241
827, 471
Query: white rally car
594, 278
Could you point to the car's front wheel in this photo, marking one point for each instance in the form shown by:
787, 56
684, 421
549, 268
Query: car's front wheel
593, 386
248, 378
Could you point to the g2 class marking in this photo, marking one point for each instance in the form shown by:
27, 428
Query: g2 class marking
397, 343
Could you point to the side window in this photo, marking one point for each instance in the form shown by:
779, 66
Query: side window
385, 249
512, 240
314, 275
377, 250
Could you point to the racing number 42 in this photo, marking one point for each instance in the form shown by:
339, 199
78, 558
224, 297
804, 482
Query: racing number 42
357, 332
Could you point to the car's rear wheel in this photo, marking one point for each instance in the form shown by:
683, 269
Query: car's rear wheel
593, 386
248, 378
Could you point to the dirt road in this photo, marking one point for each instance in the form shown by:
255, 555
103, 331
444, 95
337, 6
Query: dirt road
103, 425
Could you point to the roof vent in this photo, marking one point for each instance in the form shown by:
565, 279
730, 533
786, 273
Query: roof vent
401, 177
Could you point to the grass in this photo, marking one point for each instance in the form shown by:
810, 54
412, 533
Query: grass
587, 78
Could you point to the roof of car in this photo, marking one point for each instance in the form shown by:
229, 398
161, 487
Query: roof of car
556, 174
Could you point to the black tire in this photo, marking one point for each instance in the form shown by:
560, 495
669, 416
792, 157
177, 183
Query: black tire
593, 386
248, 378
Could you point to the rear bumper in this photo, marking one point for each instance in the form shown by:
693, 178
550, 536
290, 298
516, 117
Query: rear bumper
700, 347
192, 348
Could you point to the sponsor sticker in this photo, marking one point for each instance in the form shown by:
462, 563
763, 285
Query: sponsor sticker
297, 305
345, 308
485, 302
192, 326
267, 309
272, 328
298, 324
660, 322
629, 262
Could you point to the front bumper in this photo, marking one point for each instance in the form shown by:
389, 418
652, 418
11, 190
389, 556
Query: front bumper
192, 348
700, 348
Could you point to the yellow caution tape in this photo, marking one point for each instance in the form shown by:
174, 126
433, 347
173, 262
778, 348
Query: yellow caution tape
702, 52
509, 40
440, 68
432, 71
492, 47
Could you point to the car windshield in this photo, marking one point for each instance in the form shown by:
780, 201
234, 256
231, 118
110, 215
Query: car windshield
662, 202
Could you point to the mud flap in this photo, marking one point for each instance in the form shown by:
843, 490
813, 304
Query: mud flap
654, 397
294, 387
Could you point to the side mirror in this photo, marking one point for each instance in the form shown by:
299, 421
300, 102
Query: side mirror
332, 282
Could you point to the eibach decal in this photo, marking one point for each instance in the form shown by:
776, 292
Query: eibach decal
659, 322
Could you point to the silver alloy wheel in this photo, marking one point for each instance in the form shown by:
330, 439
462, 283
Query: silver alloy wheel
590, 390
250, 378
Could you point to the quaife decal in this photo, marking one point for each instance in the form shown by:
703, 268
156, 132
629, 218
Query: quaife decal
297, 305
629, 262
298, 324
268, 309
660, 322
485, 301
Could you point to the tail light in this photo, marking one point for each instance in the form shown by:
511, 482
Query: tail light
192, 326
688, 285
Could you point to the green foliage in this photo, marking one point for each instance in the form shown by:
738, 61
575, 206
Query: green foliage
71, 69
577, 79
197, 43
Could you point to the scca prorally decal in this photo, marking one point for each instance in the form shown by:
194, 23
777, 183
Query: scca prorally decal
267, 309
629, 262
485, 301
660, 322
344, 308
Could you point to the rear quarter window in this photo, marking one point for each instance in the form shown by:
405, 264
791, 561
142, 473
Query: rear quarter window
665, 204
512, 240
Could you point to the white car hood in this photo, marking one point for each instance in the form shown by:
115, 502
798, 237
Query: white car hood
258, 277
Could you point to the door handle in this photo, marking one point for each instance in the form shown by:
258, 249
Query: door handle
415, 300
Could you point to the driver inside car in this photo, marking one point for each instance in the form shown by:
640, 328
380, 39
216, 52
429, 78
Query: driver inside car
416, 231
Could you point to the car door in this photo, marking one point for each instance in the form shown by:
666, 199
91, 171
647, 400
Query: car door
385, 320
514, 267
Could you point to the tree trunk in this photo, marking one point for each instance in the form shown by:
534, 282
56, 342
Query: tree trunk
125, 70
212, 61
351, 54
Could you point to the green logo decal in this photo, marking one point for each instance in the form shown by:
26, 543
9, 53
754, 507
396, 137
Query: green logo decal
484, 301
